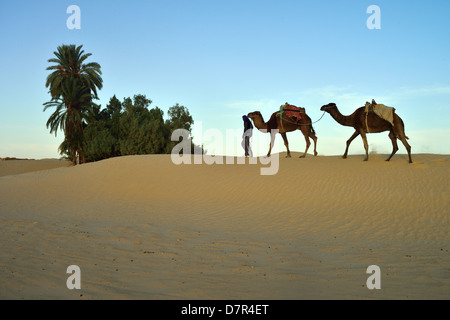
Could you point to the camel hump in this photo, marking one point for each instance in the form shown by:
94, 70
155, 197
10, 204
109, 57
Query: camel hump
293, 113
381, 110
291, 107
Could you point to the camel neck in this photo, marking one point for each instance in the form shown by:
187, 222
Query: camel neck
341, 119
260, 124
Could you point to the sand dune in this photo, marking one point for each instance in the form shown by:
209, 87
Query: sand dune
140, 227
10, 167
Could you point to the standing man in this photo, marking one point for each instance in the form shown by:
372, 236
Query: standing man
248, 131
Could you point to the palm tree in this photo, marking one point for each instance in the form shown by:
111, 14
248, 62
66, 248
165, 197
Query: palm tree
73, 85
70, 64
73, 110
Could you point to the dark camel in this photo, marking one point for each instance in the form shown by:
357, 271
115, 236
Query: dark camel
285, 125
376, 124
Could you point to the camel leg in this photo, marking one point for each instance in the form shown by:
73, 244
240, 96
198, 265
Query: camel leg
272, 140
286, 143
355, 134
308, 143
313, 136
394, 144
366, 145
407, 146
400, 134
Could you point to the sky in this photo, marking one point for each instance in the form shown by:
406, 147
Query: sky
223, 59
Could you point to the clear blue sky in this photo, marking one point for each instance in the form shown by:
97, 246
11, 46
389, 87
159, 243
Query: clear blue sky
223, 59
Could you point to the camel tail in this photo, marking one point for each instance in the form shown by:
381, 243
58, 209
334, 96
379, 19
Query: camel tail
312, 130
403, 125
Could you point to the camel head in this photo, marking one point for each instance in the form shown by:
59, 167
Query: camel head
328, 107
255, 114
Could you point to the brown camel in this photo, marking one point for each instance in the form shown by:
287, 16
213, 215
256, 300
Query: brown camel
283, 125
374, 123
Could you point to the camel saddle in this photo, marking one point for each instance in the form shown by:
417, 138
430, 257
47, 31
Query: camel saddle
384, 112
291, 112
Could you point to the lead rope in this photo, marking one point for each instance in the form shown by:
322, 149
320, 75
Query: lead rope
298, 124
367, 113
367, 126
281, 117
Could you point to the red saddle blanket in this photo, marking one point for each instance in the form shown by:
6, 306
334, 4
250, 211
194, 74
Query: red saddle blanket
292, 112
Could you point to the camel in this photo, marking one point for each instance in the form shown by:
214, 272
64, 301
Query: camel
373, 124
285, 125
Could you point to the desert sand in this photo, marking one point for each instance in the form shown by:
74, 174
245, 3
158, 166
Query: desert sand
18, 166
141, 227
